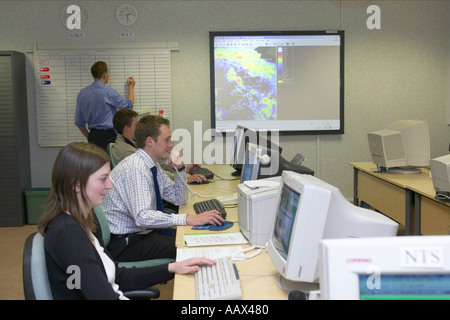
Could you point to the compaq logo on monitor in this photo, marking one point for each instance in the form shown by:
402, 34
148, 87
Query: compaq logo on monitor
422, 257
358, 260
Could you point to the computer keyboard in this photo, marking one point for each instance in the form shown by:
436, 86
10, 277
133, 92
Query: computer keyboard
204, 171
218, 282
208, 205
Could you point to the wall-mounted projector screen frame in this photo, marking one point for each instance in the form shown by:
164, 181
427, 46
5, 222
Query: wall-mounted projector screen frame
291, 81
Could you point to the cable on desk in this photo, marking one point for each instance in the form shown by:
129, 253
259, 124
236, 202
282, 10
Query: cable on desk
229, 179
442, 197
230, 206
192, 193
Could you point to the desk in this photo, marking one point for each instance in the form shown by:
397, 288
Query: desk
385, 192
431, 216
395, 195
254, 286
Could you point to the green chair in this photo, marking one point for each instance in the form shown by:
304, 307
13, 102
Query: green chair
109, 148
106, 236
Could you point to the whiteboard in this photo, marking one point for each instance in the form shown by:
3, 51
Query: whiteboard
61, 74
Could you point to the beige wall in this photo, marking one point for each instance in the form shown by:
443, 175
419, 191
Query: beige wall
400, 71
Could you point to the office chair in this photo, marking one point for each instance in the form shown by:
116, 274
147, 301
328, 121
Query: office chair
35, 278
111, 157
105, 234
36, 285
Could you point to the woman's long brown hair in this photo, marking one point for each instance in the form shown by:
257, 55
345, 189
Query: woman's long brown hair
72, 168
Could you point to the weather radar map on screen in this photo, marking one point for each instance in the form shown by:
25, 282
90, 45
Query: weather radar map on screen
250, 77
286, 81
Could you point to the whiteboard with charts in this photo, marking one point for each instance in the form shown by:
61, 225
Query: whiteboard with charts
61, 74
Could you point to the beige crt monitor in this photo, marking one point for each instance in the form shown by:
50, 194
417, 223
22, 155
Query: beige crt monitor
402, 147
406, 267
308, 210
440, 174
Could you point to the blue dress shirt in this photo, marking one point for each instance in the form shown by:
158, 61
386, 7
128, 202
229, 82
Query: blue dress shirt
97, 104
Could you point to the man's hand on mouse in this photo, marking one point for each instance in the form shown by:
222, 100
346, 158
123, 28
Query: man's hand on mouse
209, 217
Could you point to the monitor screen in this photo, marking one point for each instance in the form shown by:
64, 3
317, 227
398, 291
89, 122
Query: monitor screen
285, 216
248, 167
291, 81
405, 286
252, 163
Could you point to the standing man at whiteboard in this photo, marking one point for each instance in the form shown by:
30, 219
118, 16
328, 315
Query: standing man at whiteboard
97, 104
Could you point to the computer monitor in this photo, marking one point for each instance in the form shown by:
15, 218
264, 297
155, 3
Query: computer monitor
238, 149
292, 81
403, 147
407, 267
252, 162
243, 136
261, 162
307, 211
278, 164
440, 174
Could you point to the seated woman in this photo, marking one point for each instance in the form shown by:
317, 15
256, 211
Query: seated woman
80, 179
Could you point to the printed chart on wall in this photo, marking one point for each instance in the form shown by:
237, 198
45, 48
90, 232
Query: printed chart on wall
61, 74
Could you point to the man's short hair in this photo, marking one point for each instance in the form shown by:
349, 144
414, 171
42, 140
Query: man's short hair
148, 126
122, 118
98, 69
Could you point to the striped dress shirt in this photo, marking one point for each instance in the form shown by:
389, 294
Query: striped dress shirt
130, 206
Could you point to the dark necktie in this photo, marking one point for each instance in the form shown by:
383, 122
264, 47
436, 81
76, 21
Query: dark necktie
159, 202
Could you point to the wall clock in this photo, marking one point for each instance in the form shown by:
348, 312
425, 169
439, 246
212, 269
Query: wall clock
126, 14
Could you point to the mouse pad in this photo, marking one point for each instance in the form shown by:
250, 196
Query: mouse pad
226, 225
204, 182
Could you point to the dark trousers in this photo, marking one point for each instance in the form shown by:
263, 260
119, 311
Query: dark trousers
102, 138
137, 247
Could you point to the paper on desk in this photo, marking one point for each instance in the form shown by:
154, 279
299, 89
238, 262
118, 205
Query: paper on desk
219, 239
209, 252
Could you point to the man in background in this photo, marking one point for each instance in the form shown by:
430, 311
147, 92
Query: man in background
97, 104
124, 122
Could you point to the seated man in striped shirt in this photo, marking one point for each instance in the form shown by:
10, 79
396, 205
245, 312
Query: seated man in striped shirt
131, 206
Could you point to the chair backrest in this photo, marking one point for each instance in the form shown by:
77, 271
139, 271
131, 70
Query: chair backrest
111, 157
104, 225
35, 277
